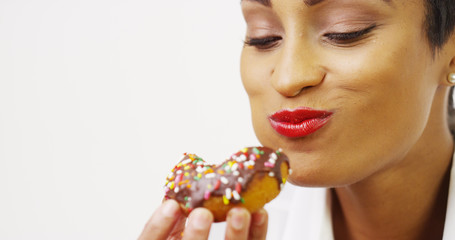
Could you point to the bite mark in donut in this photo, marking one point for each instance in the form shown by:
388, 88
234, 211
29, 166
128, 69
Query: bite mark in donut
249, 178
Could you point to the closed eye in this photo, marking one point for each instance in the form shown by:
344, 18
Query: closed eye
348, 37
263, 43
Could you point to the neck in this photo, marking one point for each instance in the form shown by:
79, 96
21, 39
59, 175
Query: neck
404, 201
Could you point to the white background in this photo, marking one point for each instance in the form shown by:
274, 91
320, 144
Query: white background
99, 99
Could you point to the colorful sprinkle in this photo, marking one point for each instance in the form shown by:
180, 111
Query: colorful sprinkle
256, 151
184, 182
269, 164
278, 152
234, 166
238, 187
207, 195
228, 193
242, 158
217, 184
273, 156
178, 178
210, 175
224, 180
208, 171
240, 165
186, 161
225, 200
170, 176
236, 195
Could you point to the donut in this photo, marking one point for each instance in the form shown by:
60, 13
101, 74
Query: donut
249, 178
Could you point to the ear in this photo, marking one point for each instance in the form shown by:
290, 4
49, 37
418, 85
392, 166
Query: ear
450, 61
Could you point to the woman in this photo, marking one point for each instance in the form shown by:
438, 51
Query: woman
356, 93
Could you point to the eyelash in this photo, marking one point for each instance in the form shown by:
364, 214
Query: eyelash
263, 43
348, 37
337, 38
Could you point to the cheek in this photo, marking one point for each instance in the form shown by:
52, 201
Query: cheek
400, 94
255, 72
383, 103
384, 95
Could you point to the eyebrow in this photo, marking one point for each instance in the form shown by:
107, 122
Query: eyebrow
263, 2
267, 3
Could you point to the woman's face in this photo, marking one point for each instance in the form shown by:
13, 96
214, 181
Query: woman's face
365, 63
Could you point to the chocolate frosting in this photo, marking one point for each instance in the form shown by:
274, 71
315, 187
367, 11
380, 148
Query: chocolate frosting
192, 180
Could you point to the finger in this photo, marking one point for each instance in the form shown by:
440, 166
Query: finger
177, 230
258, 226
238, 223
162, 221
198, 226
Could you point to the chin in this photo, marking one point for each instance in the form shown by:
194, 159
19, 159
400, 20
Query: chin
320, 180
316, 168
319, 173
310, 180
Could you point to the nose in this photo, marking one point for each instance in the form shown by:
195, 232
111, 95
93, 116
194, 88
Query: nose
297, 67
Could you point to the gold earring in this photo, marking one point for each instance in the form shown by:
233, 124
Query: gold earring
451, 78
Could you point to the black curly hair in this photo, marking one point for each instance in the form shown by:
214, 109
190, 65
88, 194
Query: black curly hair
439, 22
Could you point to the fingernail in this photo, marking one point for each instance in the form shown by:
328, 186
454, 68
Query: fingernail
259, 218
170, 209
237, 219
200, 219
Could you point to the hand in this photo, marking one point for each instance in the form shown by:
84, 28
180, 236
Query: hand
168, 222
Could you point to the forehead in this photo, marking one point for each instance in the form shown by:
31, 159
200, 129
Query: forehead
307, 2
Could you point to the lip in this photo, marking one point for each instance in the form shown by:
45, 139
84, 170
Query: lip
299, 122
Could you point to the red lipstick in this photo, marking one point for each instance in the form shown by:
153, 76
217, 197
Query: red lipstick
299, 122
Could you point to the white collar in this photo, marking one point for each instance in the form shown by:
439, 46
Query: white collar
302, 212
449, 226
